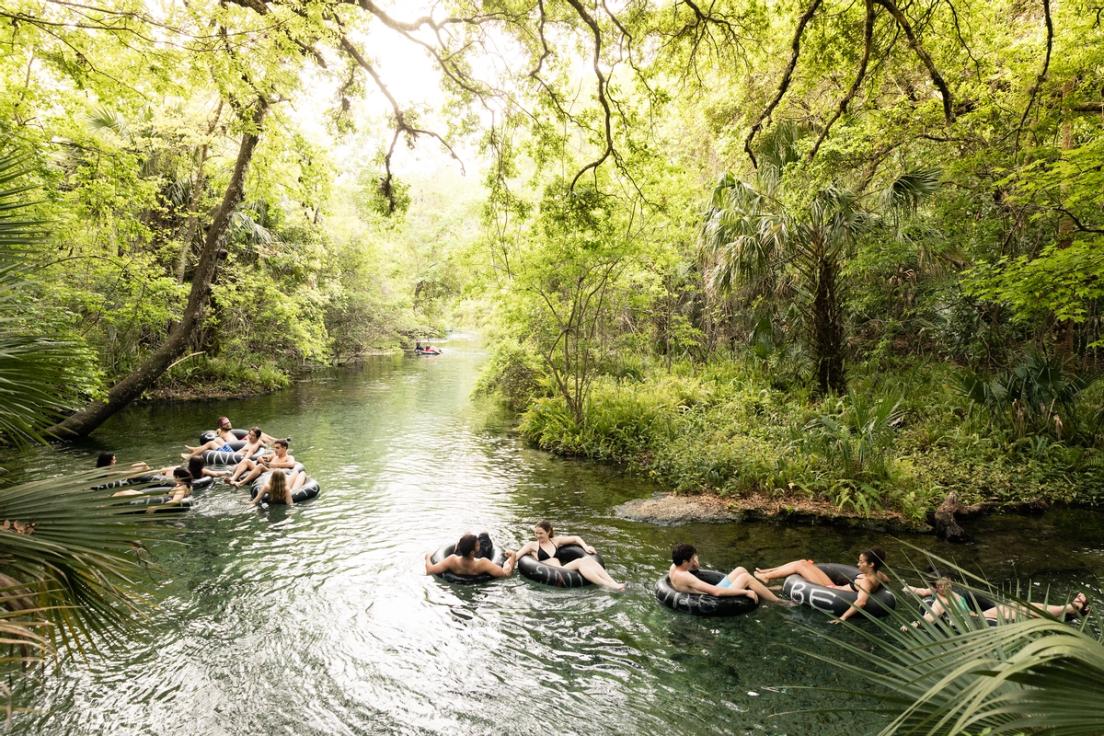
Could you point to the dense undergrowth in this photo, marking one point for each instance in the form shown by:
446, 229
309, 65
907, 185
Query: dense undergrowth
900, 440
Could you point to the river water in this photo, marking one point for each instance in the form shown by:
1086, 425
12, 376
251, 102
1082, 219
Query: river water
318, 620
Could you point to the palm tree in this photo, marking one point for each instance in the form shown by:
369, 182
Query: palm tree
67, 552
759, 240
958, 675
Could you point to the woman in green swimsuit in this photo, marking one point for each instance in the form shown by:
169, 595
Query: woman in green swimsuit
944, 598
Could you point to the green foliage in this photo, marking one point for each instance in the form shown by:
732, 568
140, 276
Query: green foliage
36, 362
956, 674
1037, 396
899, 441
514, 375
1066, 283
67, 553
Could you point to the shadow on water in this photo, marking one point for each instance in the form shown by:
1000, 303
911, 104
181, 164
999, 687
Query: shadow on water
317, 619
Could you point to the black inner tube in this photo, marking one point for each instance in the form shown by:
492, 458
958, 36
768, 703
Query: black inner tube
498, 556
554, 575
701, 604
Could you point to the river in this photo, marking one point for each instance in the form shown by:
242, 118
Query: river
318, 620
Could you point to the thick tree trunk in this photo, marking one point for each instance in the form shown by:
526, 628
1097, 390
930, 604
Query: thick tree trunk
130, 388
828, 330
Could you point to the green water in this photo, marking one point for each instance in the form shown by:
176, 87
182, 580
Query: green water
317, 619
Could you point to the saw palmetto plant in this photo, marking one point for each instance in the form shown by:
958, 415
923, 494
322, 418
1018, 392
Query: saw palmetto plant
67, 551
1030, 673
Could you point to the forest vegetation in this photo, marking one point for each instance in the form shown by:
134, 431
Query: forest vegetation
798, 249
843, 251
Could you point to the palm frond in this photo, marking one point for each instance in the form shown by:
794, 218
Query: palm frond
73, 550
32, 366
961, 675
911, 188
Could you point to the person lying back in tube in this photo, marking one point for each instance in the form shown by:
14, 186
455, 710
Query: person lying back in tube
684, 561
108, 459
224, 436
254, 443
181, 489
546, 544
463, 561
945, 598
870, 578
195, 467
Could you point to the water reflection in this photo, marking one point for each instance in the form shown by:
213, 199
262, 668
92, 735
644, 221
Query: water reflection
317, 619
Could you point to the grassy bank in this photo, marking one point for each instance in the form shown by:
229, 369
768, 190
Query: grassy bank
901, 440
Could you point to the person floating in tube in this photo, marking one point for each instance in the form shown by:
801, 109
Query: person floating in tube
280, 459
869, 580
465, 560
546, 544
684, 561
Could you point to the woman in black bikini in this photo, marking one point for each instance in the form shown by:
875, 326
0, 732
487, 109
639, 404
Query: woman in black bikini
869, 579
546, 544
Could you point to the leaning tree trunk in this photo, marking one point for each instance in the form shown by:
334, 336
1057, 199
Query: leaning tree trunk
828, 330
131, 387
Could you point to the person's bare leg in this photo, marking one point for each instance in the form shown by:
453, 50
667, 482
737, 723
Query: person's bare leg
804, 568
245, 464
197, 451
589, 568
741, 578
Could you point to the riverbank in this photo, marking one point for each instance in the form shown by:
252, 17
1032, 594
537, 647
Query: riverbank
751, 433
218, 380
670, 509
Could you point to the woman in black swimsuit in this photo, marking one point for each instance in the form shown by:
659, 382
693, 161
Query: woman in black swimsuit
869, 579
546, 544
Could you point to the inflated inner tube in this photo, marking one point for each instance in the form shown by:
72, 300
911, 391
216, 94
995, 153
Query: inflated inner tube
211, 434
310, 489
305, 492
160, 504
836, 600
701, 604
216, 457
426, 352
542, 572
978, 602
121, 482
162, 481
498, 556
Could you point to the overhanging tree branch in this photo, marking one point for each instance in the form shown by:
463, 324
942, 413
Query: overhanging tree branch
787, 76
868, 40
132, 386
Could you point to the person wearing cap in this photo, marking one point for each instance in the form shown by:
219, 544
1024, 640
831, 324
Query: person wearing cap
224, 436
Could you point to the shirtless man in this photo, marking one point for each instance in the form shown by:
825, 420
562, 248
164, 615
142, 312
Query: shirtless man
279, 460
738, 582
464, 562
221, 443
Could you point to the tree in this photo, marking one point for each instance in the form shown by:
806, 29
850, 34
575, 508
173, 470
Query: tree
767, 236
562, 285
133, 385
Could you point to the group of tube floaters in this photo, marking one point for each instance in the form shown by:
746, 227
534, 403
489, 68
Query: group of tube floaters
238, 457
843, 590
